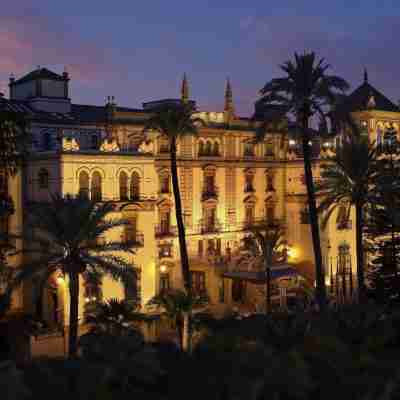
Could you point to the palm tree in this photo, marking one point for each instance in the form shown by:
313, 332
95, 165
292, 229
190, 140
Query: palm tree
176, 305
174, 122
114, 316
305, 92
346, 180
68, 240
266, 239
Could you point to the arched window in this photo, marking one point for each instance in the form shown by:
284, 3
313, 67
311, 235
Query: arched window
208, 148
123, 186
164, 183
43, 178
96, 192
201, 148
84, 184
216, 149
135, 186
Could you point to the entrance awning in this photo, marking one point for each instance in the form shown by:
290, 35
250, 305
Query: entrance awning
259, 277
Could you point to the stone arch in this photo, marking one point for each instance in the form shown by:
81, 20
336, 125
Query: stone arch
123, 185
135, 186
83, 183
96, 187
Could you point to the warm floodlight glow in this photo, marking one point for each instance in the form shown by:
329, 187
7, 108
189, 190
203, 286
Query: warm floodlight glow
60, 280
163, 269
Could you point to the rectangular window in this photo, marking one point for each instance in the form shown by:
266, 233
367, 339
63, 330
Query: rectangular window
198, 282
164, 283
131, 229
165, 222
304, 216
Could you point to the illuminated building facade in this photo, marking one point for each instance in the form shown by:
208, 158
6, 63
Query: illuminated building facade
227, 182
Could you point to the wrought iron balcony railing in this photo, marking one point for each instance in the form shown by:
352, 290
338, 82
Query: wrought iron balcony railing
207, 226
165, 231
134, 239
209, 193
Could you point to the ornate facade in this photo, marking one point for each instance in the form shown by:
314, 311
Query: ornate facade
227, 182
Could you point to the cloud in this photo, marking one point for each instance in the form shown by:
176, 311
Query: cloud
32, 40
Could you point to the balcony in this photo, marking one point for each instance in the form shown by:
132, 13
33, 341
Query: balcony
206, 226
134, 239
249, 153
260, 222
162, 231
209, 193
249, 188
163, 149
201, 154
344, 225
165, 251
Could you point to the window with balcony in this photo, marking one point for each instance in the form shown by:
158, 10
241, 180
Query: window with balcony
210, 220
165, 184
164, 282
208, 148
269, 178
135, 186
216, 149
304, 216
238, 291
165, 250
123, 186
249, 214
200, 248
96, 188
269, 149
93, 291
249, 149
43, 178
131, 288
84, 184
198, 282
163, 146
249, 183
270, 213
131, 229
165, 223
342, 220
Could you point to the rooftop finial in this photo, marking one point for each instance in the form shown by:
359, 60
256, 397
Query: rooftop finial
228, 97
185, 89
365, 75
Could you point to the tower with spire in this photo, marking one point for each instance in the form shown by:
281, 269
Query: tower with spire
228, 104
185, 90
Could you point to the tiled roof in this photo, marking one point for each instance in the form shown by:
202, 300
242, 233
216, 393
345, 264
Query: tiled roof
367, 97
42, 73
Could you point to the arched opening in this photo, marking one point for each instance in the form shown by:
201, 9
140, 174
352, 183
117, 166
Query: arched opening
208, 147
135, 186
96, 189
216, 149
201, 148
84, 184
123, 186
43, 177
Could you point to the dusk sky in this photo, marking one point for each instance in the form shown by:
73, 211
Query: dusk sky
139, 50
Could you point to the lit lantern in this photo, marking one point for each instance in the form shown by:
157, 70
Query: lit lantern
163, 268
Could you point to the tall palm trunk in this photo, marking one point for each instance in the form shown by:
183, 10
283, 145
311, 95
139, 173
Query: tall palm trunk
312, 208
360, 252
73, 314
187, 280
179, 219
